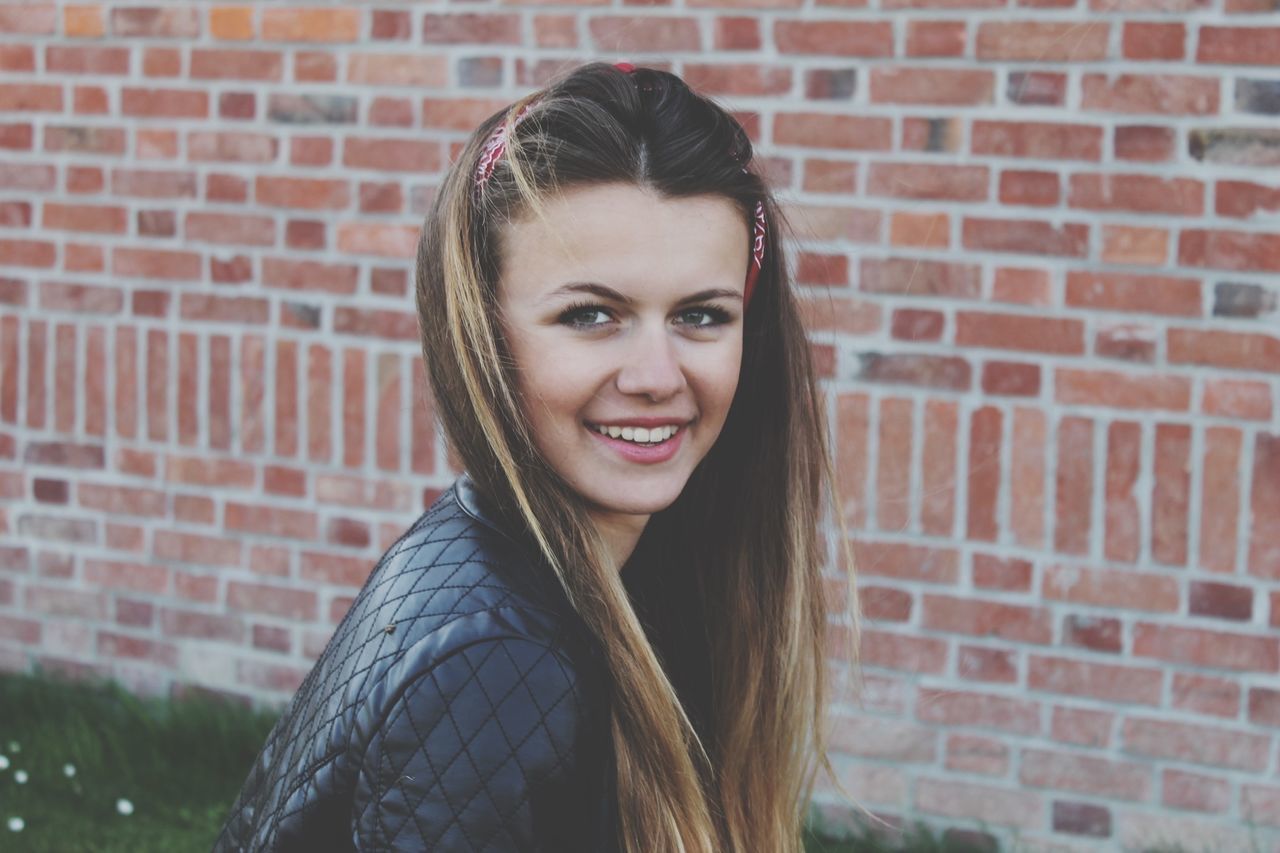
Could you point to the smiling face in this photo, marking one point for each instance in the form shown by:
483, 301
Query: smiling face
623, 311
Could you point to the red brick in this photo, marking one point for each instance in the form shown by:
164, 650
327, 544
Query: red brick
311, 25
640, 34
1041, 140
1146, 143
1198, 647
1010, 574
1206, 694
155, 263
1217, 747
907, 562
1177, 297
979, 663
1123, 684
1025, 236
1081, 819
944, 87
1064, 336
882, 738
1171, 503
911, 325
922, 230
980, 710
1232, 250
285, 602
392, 154
732, 33
1183, 790
132, 576
1166, 94
928, 181
824, 130
926, 38
997, 806
1126, 589
260, 65
232, 146
1095, 633
1151, 40
904, 652
79, 59
1042, 41
973, 754
1123, 533
869, 39
1013, 622
335, 569
126, 500
1220, 498
1082, 726
95, 219
1125, 244
1234, 349
1122, 390
1085, 774
1137, 193
1264, 499
271, 521
1253, 45
1027, 187
913, 277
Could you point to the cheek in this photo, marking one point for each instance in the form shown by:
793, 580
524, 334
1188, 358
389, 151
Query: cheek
719, 380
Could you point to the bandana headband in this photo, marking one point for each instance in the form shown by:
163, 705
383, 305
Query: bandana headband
496, 145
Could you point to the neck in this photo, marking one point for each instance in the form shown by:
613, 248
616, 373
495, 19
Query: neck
621, 532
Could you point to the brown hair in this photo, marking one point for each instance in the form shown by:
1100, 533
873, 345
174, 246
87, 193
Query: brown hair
741, 545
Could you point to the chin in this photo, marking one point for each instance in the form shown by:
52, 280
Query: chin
640, 501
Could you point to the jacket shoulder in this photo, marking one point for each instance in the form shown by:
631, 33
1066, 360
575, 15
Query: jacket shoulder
455, 610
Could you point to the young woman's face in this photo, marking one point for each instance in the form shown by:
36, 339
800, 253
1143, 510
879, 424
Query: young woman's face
623, 311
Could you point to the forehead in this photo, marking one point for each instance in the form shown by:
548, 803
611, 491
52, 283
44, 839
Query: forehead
628, 238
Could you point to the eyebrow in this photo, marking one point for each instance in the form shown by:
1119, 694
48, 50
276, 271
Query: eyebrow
614, 296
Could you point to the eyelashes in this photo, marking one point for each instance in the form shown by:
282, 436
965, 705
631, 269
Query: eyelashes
574, 314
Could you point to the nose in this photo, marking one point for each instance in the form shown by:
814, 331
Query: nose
651, 366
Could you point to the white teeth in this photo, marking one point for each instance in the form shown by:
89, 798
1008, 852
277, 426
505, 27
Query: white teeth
638, 434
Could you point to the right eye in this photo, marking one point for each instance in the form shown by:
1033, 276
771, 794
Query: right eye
585, 317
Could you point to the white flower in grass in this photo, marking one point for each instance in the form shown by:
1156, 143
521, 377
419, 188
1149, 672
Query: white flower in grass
16, 824
124, 806
68, 770
14, 746
4, 762
20, 776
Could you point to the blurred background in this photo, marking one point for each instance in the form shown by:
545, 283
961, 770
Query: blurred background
1037, 242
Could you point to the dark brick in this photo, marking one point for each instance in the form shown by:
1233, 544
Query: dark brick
480, 71
1238, 146
1258, 96
1231, 299
300, 315
237, 105
66, 454
312, 109
929, 371
1036, 88
830, 84
1221, 601
1092, 632
1081, 819
50, 491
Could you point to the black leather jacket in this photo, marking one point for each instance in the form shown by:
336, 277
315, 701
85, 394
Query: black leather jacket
459, 706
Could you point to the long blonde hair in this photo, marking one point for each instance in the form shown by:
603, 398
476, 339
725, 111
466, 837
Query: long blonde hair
740, 547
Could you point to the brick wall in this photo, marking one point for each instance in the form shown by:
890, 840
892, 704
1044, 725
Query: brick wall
1039, 250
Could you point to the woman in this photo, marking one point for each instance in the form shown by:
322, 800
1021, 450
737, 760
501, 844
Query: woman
609, 633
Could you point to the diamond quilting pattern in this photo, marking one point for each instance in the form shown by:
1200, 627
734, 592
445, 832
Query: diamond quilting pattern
445, 713
455, 762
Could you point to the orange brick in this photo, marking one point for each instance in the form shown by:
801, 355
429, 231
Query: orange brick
231, 23
311, 25
84, 22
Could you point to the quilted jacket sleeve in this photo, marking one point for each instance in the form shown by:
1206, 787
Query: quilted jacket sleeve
475, 753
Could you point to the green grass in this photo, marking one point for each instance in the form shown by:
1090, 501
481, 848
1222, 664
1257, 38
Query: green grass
179, 763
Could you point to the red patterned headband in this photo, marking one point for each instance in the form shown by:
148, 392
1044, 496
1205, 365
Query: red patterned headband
496, 145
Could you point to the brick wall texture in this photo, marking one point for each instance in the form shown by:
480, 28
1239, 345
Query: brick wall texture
1038, 246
